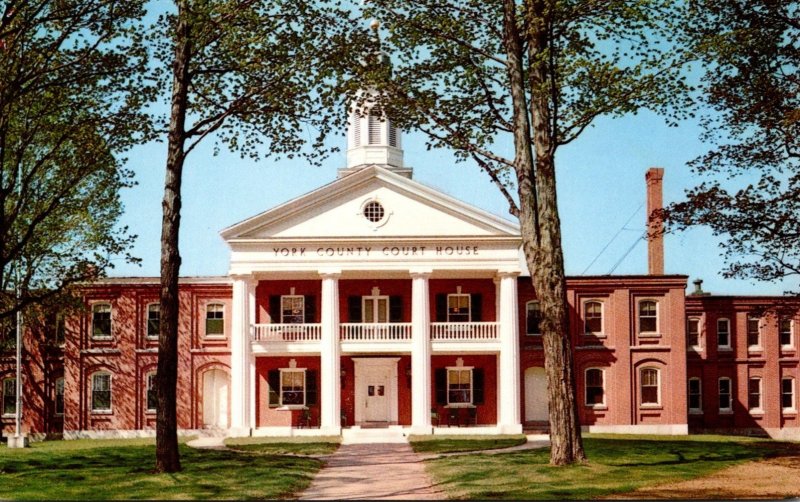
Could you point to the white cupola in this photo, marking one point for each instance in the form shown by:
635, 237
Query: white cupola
372, 138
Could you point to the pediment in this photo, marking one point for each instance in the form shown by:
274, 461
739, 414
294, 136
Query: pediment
410, 210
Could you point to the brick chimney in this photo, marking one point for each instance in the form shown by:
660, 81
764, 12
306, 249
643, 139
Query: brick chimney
655, 225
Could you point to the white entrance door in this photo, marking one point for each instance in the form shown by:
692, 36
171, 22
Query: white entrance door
536, 395
376, 403
215, 399
375, 389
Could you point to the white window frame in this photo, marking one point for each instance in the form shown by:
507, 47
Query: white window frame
283, 371
793, 407
55, 397
9, 382
469, 306
110, 408
639, 318
602, 332
728, 331
699, 395
110, 334
208, 310
465, 404
790, 345
292, 298
729, 408
527, 313
149, 385
760, 407
699, 346
586, 388
657, 404
757, 346
147, 320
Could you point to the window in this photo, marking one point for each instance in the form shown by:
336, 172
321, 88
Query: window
101, 392
787, 394
533, 318
355, 119
292, 309
60, 330
151, 394
215, 319
9, 396
293, 387
59, 396
373, 211
723, 333
753, 333
725, 394
693, 333
374, 129
649, 386
101, 320
459, 386
785, 331
754, 394
695, 396
153, 320
593, 318
458, 308
648, 317
595, 390
392, 133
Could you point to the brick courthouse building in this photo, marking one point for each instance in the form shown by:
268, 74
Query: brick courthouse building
377, 301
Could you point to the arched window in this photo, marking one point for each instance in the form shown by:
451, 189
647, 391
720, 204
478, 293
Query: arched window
151, 398
593, 317
695, 394
595, 387
753, 332
215, 319
787, 394
101, 392
754, 394
725, 392
101, 320
693, 334
648, 316
649, 387
153, 320
724, 334
9, 396
533, 318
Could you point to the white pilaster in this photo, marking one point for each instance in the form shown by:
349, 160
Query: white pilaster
243, 287
509, 410
420, 353
330, 353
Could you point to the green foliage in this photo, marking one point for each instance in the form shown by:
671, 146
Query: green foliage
98, 469
618, 465
71, 93
751, 92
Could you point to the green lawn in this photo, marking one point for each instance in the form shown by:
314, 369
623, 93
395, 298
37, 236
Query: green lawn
617, 464
453, 444
317, 445
121, 469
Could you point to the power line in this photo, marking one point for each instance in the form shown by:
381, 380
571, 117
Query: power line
613, 238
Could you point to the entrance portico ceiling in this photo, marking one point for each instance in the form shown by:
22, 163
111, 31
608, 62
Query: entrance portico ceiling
374, 223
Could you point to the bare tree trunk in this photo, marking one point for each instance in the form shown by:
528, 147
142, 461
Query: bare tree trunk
167, 454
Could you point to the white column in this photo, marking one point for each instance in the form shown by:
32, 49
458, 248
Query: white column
420, 353
330, 353
509, 410
240, 356
251, 401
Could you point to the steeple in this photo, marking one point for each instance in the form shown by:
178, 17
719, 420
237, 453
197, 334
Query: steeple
372, 137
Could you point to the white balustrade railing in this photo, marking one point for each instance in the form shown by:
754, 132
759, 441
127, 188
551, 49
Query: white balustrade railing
464, 331
375, 332
287, 332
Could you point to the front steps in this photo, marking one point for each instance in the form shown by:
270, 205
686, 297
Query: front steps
358, 435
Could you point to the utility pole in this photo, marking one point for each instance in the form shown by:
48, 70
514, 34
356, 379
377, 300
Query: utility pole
19, 440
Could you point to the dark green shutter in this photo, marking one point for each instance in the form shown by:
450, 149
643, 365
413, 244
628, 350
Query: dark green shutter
440, 383
476, 307
275, 308
441, 307
311, 309
477, 386
395, 309
274, 383
311, 387
354, 309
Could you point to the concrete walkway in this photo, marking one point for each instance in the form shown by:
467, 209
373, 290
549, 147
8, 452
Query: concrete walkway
208, 443
373, 470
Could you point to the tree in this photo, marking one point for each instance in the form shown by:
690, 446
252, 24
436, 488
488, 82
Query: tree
505, 83
751, 94
70, 101
253, 74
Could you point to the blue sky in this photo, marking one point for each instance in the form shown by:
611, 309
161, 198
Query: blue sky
600, 187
